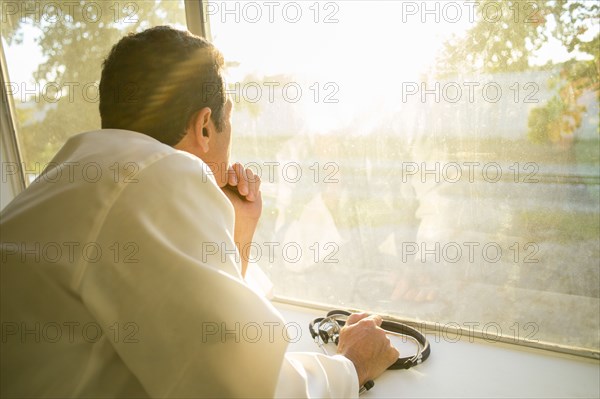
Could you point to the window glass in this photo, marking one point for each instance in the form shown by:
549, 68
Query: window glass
54, 52
436, 161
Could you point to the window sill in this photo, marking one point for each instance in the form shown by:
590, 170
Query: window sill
471, 369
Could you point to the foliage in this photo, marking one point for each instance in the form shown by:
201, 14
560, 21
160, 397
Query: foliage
74, 40
511, 43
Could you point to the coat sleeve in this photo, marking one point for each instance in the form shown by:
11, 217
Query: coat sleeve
314, 375
173, 275
173, 278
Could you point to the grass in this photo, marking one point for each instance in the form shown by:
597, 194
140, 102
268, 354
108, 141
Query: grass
560, 227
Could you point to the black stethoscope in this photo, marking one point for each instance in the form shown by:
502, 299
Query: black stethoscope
327, 329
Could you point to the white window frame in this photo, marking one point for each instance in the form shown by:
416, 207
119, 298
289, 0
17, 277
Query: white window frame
11, 153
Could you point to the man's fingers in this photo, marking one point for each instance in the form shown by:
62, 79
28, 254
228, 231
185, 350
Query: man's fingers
251, 184
232, 177
367, 345
257, 181
377, 319
355, 318
242, 178
247, 183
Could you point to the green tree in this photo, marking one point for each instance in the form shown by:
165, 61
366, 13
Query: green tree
74, 39
508, 41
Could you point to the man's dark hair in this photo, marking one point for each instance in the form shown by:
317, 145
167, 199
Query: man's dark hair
153, 82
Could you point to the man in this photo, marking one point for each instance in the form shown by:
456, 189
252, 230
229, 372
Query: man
107, 290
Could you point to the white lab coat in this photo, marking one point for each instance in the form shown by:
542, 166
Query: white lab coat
120, 279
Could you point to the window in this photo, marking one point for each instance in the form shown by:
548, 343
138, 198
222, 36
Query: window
435, 161
54, 53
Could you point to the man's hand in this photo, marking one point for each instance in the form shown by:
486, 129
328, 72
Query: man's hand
366, 345
243, 190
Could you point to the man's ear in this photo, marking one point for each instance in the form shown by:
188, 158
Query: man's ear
201, 128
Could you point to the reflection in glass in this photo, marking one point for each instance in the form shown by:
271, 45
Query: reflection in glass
462, 154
